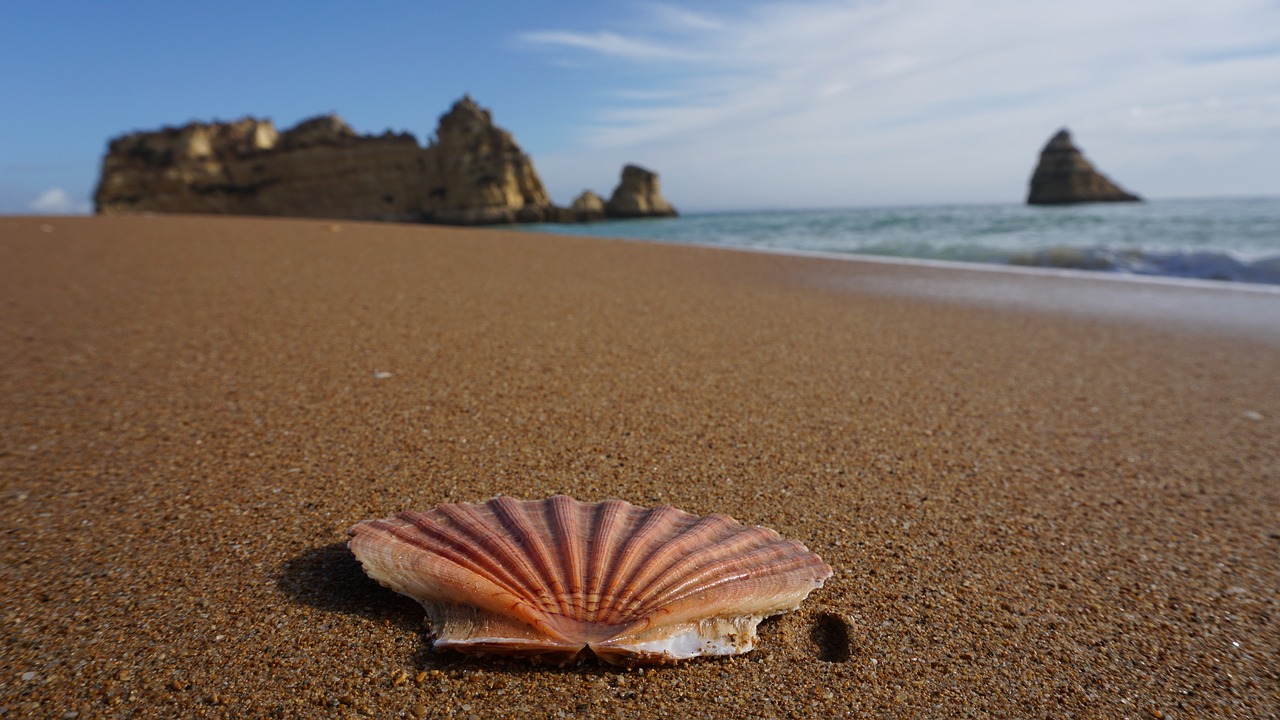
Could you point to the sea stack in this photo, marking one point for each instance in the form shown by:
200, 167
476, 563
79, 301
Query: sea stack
1064, 176
637, 195
587, 207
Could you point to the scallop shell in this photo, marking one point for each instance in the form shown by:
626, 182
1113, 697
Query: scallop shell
552, 578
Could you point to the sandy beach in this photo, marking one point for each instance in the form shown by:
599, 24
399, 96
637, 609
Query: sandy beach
1041, 496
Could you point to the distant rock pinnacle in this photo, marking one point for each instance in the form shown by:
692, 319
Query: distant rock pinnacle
1064, 176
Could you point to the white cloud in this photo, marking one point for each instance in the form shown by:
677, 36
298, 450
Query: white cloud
608, 43
840, 103
679, 18
56, 201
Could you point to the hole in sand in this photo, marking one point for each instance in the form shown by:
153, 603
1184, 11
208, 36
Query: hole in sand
831, 634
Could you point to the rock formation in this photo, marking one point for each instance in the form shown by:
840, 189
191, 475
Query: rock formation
1065, 176
637, 195
473, 172
585, 208
478, 175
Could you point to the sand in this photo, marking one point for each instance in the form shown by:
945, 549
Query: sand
1042, 496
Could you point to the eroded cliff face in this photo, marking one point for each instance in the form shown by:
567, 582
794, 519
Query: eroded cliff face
473, 172
477, 174
1064, 176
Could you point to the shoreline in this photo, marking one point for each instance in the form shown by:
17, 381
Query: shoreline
1241, 308
1035, 271
1030, 509
1051, 238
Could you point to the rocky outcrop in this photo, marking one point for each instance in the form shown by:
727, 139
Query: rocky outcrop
478, 175
587, 207
637, 195
472, 172
1064, 176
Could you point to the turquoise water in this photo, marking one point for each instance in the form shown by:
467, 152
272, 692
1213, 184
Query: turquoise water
1220, 239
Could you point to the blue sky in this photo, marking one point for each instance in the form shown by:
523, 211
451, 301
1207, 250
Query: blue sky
737, 105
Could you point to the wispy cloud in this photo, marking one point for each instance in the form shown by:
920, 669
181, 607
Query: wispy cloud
56, 201
678, 18
608, 43
831, 102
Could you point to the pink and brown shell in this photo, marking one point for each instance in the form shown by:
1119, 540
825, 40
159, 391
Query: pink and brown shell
552, 578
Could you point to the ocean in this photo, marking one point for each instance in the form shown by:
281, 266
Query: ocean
1232, 240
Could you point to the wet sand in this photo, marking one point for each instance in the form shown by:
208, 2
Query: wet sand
1050, 506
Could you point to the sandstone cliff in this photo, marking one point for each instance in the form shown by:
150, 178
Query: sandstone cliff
1065, 176
637, 195
473, 172
477, 174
